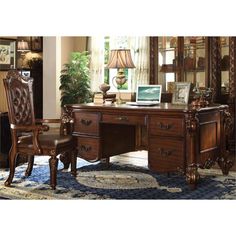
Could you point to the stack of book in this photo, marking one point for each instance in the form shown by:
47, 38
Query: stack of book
100, 98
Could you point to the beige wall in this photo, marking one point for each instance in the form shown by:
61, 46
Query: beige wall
80, 44
71, 44
51, 74
56, 52
67, 46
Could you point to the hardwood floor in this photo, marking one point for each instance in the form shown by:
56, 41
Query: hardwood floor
139, 158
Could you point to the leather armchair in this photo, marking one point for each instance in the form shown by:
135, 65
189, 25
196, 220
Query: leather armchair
29, 135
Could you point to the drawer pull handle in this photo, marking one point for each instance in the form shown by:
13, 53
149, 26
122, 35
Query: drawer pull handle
164, 153
84, 148
122, 118
165, 127
86, 122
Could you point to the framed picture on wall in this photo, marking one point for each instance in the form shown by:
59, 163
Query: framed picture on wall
25, 73
181, 93
36, 44
7, 53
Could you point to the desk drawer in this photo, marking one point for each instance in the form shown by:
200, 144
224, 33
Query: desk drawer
123, 119
165, 154
166, 126
86, 123
88, 148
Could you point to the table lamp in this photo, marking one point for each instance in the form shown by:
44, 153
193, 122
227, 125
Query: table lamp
120, 59
22, 47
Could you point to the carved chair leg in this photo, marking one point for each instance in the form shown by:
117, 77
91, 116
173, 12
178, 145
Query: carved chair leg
12, 165
105, 162
108, 162
74, 162
65, 158
53, 163
225, 163
30, 165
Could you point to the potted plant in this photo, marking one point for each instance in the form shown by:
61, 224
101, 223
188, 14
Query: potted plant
75, 81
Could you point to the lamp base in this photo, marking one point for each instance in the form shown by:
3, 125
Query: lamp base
120, 78
119, 100
118, 81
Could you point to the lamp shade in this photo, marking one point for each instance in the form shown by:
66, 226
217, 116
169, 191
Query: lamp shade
120, 58
22, 46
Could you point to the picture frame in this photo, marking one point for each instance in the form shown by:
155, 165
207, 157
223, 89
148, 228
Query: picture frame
25, 73
181, 93
7, 54
36, 44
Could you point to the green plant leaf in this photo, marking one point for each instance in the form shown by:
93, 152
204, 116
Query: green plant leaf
75, 80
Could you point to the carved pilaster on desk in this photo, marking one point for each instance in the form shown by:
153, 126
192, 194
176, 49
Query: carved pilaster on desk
66, 129
226, 161
67, 121
192, 175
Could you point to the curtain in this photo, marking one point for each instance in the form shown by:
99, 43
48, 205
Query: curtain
141, 73
96, 47
140, 54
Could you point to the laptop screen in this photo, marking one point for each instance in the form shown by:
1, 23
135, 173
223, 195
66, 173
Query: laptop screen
149, 93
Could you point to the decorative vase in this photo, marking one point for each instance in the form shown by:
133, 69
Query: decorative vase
104, 88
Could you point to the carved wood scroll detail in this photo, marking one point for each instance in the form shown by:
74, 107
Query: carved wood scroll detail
153, 60
216, 65
13, 74
208, 159
232, 74
226, 161
228, 123
192, 175
67, 121
191, 123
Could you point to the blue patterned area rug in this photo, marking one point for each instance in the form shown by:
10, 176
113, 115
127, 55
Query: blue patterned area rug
119, 181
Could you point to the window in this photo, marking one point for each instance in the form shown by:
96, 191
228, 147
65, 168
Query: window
109, 74
100, 47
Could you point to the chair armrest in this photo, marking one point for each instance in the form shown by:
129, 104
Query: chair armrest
30, 127
65, 123
35, 129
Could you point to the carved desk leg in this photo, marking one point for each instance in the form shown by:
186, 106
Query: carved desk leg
225, 161
192, 175
66, 129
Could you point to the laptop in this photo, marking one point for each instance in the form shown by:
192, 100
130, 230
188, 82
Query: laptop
147, 95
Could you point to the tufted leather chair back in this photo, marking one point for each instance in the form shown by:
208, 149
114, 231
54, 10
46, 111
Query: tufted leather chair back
19, 98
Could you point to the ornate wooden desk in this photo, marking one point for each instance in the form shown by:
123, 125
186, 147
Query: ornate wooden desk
177, 137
